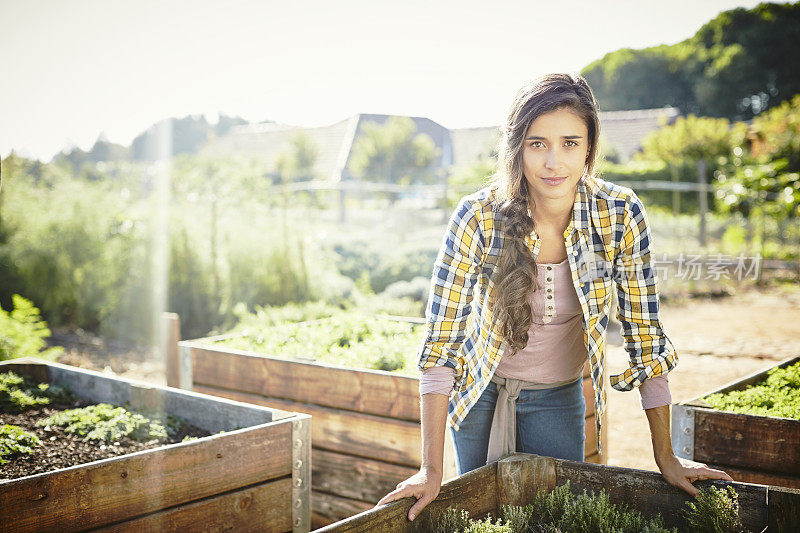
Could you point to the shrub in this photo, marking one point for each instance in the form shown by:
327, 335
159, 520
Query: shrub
23, 332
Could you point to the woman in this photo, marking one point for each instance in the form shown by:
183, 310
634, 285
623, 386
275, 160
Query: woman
520, 298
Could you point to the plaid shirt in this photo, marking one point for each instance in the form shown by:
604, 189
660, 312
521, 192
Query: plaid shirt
608, 239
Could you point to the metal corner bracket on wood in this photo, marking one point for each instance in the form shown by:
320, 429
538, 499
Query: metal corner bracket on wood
683, 431
301, 473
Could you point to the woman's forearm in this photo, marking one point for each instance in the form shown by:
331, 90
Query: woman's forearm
658, 418
434, 420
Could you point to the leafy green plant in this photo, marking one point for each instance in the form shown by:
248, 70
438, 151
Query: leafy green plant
348, 339
18, 393
714, 511
778, 395
108, 423
23, 332
14, 439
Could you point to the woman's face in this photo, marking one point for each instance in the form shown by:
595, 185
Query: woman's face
554, 154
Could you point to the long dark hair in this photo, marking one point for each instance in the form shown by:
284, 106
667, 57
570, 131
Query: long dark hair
516, 277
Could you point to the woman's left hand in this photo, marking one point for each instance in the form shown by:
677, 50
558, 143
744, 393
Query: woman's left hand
682, 473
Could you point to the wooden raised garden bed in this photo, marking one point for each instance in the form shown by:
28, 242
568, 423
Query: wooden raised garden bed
366, 433
253, 476
751, 448
516, 479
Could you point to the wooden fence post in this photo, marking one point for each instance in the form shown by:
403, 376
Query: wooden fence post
702, 181
171, 327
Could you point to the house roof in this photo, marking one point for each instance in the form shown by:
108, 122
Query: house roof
622, 130
625, 130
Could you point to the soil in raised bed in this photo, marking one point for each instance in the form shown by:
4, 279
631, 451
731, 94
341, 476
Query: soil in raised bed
60, 449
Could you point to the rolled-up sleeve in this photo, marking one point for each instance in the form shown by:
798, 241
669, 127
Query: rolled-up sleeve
650, 352
455, 273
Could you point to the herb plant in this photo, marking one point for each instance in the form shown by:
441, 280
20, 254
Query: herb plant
18, 393
778, 395
14, 439
714, 511
108, 423
558, 511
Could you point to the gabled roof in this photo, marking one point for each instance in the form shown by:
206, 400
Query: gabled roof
622, 130
625, 130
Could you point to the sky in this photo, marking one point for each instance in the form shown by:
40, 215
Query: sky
73, 70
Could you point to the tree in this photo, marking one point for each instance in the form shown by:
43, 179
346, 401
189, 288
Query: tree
690, 139
298, 161
735, 66
393, 153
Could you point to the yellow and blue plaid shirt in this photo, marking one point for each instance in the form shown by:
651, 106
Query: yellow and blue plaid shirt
608, 239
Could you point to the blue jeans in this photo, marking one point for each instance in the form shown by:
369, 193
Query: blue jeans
549, 422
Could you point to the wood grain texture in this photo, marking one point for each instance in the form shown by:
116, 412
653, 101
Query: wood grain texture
756, 476
753, 442
171, 330
111, 490
474, 491
346, 432
266, 507
329, 508
357, 478
366, 391
784, 510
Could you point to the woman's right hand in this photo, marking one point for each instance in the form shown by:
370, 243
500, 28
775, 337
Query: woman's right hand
424, 486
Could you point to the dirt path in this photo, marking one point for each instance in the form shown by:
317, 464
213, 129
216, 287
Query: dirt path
718, 341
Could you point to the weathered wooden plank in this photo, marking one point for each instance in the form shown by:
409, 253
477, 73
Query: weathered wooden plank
367, 391
649, 493
347, 432
329, 508
594, 458
474, 491
784, 509
753, 442
266, 507
590, 445
520, 477
111, 490
171, 336
357, 478
756, 476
